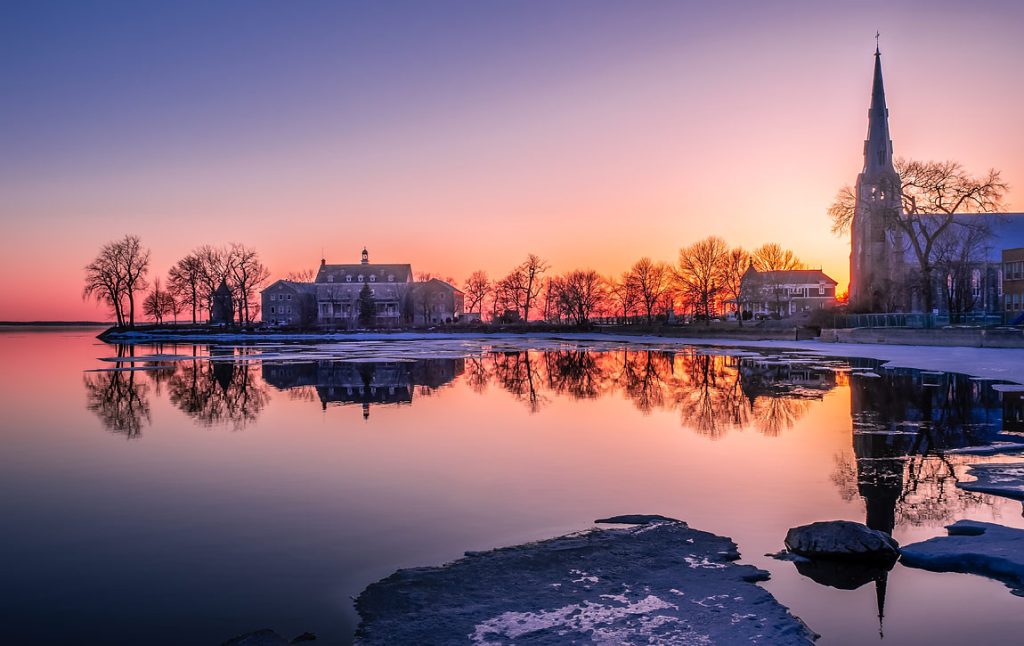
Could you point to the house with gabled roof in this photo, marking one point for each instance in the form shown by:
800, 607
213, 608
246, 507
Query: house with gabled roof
786, 293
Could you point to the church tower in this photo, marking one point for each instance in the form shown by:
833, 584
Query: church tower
876, 251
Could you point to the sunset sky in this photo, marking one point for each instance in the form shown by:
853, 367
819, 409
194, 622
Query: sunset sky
464, 135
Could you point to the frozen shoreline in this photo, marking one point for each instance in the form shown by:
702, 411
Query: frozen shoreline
983, 363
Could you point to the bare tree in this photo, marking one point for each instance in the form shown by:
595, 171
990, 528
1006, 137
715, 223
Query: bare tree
578, 295
103, 281
699, 274
521, 287
530, 271
133, 265
734, 265
185, 282
650, 281
116, 275
158, 303
931, 193
248, 274
476, 289
301, 276
215, 265
622, 292
771, 256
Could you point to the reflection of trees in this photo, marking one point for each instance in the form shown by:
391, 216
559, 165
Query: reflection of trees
218, 392
518, 374
120, 399
713, 393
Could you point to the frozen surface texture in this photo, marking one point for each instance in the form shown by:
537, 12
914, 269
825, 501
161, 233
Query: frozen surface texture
656, 582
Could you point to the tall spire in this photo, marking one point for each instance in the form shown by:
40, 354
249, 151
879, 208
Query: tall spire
878, 146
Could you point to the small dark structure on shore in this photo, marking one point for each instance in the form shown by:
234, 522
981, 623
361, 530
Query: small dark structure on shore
222, 309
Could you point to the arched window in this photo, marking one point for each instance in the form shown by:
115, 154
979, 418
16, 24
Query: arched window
360, 278
391, 278
348, 279
373, 278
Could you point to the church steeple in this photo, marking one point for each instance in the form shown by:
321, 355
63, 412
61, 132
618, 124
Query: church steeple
878, 146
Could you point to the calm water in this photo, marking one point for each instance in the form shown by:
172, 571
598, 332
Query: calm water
221, 490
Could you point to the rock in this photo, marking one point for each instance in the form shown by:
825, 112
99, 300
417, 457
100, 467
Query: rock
304, 637
973, 547
658, 581
842, 539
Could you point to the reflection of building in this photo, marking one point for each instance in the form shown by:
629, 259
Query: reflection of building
906, 414
364, 383
332, 300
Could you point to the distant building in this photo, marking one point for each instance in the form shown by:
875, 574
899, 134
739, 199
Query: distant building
884, 274
222, 309
785, 293
331, 301
1013, 285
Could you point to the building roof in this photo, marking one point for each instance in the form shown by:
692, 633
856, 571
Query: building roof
401, 272
443, 283
792, 276
302, 288
1007, 232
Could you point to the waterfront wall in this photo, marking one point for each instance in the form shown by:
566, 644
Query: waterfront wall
969, 337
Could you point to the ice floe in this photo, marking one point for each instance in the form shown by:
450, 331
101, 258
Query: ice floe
973, 547
638, 584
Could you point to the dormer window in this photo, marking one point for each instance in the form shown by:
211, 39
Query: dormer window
360, 278
348, 279
373, 279
391, 278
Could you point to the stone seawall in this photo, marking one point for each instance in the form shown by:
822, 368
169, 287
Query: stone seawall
967, 337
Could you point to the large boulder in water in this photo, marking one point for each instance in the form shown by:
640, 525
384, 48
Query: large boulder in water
842, 539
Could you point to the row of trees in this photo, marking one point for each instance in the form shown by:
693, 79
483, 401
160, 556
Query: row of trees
118, 276
707, 276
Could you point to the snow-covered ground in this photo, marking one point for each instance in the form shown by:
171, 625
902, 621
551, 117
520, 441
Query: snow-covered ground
985, 363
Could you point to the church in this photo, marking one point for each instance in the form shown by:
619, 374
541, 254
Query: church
331, 301
883, 266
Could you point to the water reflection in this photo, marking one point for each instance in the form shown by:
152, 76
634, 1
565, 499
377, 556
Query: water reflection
364, 383
900, 417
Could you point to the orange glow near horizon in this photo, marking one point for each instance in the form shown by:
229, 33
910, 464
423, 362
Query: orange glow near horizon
628, 140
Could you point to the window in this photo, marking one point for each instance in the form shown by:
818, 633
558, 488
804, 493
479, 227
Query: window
272, 297
821, 290
348, 279
360, 278
373, 278
271, 309
330, 278
289, 297
391, 278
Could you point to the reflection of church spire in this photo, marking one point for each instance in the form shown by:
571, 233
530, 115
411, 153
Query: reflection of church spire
880, 598
366, 410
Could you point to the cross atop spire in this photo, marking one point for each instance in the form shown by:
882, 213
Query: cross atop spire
877, 52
